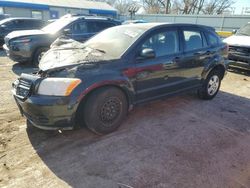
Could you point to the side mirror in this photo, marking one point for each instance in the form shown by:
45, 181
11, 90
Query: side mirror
66, 32
147, 53
234, 31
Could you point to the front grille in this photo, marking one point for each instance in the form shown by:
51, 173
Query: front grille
237, 49
22, 88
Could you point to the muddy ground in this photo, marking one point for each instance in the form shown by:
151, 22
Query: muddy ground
179, 142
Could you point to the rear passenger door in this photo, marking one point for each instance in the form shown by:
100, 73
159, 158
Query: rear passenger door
196, 55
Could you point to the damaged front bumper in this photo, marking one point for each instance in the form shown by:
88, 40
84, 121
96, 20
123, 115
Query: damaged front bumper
45, 112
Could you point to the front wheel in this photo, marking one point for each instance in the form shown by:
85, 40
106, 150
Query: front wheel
105, 109
38, 56
211, 86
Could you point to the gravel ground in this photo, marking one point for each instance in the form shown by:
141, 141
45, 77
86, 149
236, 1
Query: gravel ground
179, 142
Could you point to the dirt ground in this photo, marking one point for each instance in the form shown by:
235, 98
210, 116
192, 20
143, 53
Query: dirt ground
180, 142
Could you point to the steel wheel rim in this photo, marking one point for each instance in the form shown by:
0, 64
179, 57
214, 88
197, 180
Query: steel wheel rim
213, 85
110, 110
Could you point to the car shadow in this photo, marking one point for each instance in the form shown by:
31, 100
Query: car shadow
83, 159
19, 68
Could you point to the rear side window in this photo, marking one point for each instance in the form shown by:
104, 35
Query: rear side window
97, 26
193, 40
37, 23
22, 24
79, 28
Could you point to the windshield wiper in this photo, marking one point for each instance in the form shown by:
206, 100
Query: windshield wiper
100, 50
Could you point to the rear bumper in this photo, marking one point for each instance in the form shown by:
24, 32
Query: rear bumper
18, 55
48, 112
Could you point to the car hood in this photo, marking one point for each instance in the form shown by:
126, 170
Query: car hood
237, 40
24, 33
69, 54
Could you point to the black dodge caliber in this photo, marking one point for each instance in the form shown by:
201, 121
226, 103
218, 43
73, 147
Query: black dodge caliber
97, 82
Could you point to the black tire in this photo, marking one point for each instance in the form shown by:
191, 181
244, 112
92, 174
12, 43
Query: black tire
105, 109
204, 92
37, 56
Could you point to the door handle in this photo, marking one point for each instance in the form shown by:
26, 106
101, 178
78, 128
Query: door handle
171, 63
203, 53
176, 59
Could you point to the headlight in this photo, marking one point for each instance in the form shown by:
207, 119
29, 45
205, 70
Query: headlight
58, 86
23, 40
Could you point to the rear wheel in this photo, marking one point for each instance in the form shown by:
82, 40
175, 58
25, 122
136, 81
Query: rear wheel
38, 56
210, 86
105, 109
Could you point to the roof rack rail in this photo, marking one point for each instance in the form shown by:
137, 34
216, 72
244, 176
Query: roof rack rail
78, 14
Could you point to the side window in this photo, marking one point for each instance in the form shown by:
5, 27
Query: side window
79, 28
9, 24
105, 25
213, 40
17, 23
28, 24
36, 23
193, 40
95, 26
164, 43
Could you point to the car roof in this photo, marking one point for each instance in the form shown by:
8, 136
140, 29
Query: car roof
20, 18
87, 17
147, 26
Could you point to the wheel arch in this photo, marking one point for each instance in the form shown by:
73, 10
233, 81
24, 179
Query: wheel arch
84, 96
221, 68
35, 50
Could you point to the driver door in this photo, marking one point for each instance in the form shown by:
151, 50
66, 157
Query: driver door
157, 76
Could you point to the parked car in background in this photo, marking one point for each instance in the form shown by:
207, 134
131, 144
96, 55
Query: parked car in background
95, 83
239, 47
13, 24
30, 45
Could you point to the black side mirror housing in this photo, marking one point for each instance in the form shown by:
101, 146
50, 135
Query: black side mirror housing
234, 31
147, 53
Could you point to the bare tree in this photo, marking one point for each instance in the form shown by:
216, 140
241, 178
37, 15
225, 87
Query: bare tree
174, 6
157, 6
217, 6
121, 5
187, 6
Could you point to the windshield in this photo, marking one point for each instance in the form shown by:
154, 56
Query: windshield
57, 25
114, 41
107, 45
245, 30
4, 21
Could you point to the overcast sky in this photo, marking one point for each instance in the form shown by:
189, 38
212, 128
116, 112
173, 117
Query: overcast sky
240, 4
